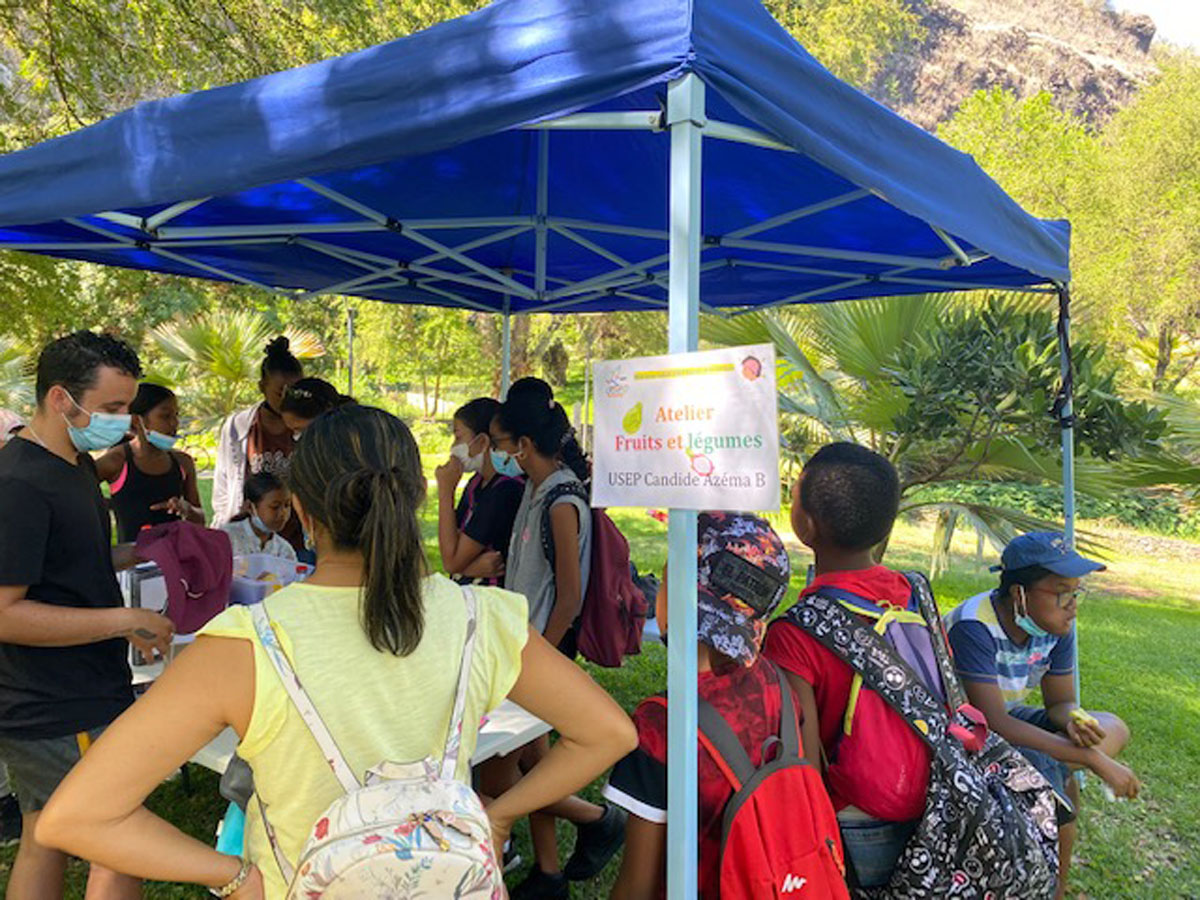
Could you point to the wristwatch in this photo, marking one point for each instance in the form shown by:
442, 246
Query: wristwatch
238, 880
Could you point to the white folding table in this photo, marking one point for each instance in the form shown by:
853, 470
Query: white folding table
508, 728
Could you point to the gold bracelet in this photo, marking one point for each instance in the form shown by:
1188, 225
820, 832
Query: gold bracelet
238, 880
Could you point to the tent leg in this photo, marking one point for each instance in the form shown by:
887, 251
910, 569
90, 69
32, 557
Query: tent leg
1066, 413
505, 351
685, 119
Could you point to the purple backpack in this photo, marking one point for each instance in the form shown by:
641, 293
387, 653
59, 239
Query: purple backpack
614, 608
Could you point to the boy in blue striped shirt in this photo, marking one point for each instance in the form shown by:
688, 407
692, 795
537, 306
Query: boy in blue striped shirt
1010, 641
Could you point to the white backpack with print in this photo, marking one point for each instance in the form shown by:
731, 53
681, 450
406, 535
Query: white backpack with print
407, 830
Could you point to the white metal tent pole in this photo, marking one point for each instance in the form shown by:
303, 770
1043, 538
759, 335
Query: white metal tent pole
685, 119
1066, 415
505, 349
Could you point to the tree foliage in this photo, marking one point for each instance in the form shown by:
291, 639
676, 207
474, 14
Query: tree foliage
1132, 193
214, 359
16, 385
851, 37
950, 390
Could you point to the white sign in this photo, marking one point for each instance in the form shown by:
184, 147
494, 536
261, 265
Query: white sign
688, 431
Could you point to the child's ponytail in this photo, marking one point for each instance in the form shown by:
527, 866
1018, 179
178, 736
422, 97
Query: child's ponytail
358, 473
571, 453
531, 411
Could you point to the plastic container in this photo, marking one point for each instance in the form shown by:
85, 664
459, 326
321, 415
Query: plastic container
258, 575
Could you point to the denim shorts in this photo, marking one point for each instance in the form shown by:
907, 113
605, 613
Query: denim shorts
1052, 770
872, 848
36, 767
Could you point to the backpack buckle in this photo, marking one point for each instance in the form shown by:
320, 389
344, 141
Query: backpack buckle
973, 735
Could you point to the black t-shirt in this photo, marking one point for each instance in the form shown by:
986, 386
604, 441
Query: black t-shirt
485, 512
55, 537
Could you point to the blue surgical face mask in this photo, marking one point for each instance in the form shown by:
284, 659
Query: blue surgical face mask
160, 440
1025, 622
506, 464
102, 431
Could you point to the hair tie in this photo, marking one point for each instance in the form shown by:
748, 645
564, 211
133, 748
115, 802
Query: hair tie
551, 404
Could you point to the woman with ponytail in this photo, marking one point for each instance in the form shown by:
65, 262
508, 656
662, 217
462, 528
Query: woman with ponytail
531, 434
257, 439
375, 639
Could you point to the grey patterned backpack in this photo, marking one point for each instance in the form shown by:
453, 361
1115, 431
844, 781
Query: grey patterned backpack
989, 828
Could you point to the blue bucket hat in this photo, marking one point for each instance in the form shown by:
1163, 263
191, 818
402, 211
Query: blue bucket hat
1048, 550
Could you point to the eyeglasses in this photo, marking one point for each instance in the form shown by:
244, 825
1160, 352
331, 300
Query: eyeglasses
1066, 598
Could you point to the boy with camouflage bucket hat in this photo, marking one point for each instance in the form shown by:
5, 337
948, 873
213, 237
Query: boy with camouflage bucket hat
742, 575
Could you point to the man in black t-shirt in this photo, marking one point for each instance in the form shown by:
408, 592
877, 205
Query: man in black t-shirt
64, 674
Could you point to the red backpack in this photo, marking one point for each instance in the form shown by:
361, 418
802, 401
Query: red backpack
614, 609
780, 836
878, 760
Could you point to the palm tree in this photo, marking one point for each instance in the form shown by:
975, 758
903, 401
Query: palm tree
874, 372
215, 358
16, 385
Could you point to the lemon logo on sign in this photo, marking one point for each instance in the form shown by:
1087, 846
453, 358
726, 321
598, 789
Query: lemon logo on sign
633, 419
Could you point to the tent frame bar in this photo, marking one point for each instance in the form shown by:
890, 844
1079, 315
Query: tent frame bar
623, 281
795, 214
953, 245
630, 120
740, 134
130, 243
291, 228
414, 235
156, 221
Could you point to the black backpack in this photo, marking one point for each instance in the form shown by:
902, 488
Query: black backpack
989, 827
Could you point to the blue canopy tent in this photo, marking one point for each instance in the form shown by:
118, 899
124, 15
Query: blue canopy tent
548, 156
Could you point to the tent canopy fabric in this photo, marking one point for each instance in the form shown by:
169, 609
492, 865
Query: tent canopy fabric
437, 169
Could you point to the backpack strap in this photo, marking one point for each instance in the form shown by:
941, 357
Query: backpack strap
882, 669
974, 733
883, 616
937, 632
454, 737
312, 720
556, 493
726, 749
719, 740
269, 639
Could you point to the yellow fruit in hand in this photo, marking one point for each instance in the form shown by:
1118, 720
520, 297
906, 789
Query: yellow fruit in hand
633, 419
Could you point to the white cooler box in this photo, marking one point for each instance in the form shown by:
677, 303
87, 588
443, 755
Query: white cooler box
257, 575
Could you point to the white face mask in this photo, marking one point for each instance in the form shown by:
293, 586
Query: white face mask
462, 452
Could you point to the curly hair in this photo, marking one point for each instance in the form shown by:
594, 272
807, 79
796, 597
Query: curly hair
74, 362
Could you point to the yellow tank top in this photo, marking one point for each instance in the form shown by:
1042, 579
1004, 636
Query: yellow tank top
379, 707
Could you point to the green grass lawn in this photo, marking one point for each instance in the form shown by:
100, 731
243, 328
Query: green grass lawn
1139, 633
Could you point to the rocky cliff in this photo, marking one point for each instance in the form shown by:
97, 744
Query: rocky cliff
1089, 58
